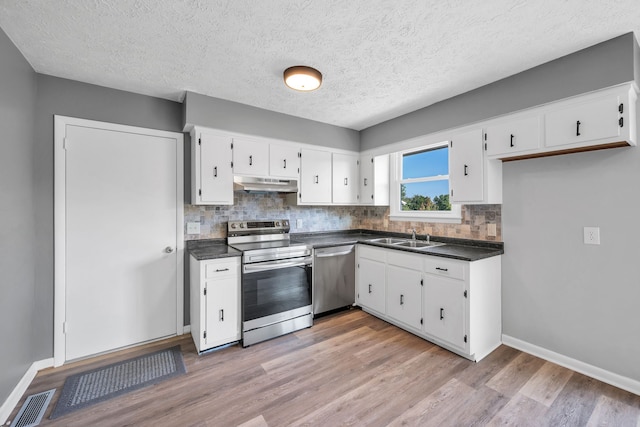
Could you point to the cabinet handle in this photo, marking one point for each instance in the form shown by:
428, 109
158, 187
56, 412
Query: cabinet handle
346, 181
401, 299
218, 270
578, 128
465, 170
369, 287
250, 160
365, 182
512, 144
441, 313
442, 269
285, 164
316, 178
222, 315
215, 171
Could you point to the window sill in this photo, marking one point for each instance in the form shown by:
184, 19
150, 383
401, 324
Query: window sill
449, 218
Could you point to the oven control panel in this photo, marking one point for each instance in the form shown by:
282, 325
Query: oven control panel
235, 228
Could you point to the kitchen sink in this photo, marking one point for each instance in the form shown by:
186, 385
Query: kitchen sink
388, 240
418, 244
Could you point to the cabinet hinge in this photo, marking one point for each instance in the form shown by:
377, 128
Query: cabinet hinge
232, 145
358, 162
299, 154
199, 192
199, 141
232, 165
620, 108
358, 265
451, 144
205, 291
421, 282
485, 136
621, 122
372, 160
204, 334
452, 193
421, 320
465, 338
299, 195
485, 146
465, 294
298, 170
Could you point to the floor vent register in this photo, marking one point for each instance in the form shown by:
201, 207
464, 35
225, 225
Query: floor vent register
33, 409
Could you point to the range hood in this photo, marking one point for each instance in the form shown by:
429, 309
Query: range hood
252, 184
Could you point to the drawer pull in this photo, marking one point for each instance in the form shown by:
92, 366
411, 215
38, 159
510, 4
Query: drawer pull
215, 171
442, 269
369, 287
578, 128
285, 164
441, 313
511, 143
218, 270
222, 315
250, 160
401, 299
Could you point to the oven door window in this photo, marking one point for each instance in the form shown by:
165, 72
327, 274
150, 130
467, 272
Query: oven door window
275, 291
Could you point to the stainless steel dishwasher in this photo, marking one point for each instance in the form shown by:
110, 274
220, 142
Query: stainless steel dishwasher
334, 278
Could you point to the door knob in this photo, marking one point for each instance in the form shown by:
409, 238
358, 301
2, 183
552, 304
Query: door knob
169, 250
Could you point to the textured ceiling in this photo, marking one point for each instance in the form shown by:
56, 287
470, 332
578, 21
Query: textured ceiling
380, 58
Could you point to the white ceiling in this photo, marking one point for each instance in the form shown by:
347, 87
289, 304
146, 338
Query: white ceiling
380, 58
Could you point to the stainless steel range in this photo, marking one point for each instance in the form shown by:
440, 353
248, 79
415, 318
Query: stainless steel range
276, 279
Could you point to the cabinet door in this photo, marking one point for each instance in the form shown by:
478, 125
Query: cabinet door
466, 173
315, 176
404, 295
371, 284
445, 310
512, 137
584, 122
345, 178
250, 157
222, 315
284, 161
214, 172
374, 180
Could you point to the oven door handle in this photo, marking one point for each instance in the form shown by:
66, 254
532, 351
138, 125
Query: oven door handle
273, 265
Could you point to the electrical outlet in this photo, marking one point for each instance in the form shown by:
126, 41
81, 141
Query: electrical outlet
591, 235
298, 223
193, 228
491, 230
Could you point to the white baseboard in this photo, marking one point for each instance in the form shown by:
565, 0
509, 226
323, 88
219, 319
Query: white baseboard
600, 374
9, 405
186, 330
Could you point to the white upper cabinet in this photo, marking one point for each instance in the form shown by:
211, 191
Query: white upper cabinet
513, 136
211, 172
315, 177
586, 121
345, 178
284, 161
466, 163
250, 157
374, 180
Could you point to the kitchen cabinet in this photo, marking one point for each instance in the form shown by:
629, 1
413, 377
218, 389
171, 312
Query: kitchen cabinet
315, 177
472, 178
371, 278
211, 168
513, 136
455, 304
215, 302
404, 288
345, 173
284, 161
250, 157
374, 180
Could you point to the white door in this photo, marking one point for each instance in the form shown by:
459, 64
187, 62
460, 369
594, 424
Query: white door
121, 261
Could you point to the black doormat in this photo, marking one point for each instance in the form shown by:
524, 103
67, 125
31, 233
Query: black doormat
97, 385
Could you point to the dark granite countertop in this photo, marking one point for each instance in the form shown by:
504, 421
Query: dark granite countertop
211, 249
466, 250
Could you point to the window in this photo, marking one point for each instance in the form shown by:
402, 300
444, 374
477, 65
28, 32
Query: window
420, 190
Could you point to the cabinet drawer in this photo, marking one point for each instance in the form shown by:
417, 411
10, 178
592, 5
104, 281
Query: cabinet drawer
445, 267
220, 268
405, 259
370, 252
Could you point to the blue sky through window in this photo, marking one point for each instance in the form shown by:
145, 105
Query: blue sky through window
426, 163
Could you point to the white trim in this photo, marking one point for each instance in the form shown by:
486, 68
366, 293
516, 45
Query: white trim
59, 203
186, 329
600, 374
14, 397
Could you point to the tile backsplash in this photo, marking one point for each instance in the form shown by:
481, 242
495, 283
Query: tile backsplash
476, 219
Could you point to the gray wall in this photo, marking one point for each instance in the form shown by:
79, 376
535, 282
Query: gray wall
599, 66
17, 236
75, 99
235, 117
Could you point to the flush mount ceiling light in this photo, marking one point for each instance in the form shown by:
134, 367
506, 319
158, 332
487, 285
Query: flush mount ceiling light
302, 78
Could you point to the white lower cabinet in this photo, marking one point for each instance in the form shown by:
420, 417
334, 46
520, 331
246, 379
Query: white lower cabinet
455, 304
215, 302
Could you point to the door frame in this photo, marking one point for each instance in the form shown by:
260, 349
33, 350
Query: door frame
59, 229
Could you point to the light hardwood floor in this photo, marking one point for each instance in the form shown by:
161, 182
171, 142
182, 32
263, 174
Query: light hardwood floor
351, 369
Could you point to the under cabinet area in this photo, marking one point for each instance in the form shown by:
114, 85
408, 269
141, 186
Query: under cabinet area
455, 304
215, 302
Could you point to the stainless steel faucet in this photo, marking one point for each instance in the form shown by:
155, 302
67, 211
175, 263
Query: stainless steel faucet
428, 237
413, 234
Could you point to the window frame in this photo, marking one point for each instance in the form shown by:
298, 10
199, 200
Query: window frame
453, 216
